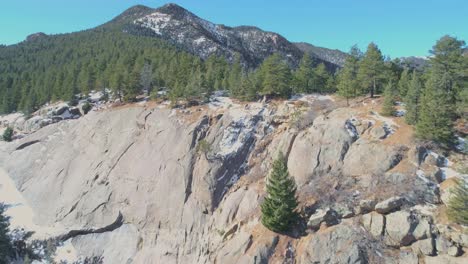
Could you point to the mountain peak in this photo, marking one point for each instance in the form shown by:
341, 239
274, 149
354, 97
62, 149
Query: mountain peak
172, 9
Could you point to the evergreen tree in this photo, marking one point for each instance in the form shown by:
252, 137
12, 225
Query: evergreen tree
276, 77
462, 104
404, 83
146, 77
8, 134
435, 115
321, 78
248, 88
412, 99
371, 68
448, 61
304, 76
235, 78
133, 87
347, 82
6, 248
388, 106
278, 208
457, 209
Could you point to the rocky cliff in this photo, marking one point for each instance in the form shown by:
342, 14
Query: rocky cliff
145, 183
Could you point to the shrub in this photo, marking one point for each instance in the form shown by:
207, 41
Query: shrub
86, 108
8, 134
203, 147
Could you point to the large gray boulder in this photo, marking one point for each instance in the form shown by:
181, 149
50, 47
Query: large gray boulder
338, 244
399, 228
425, 247
389, 205
374, 223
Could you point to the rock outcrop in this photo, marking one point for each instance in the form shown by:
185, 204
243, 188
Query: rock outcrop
140, 183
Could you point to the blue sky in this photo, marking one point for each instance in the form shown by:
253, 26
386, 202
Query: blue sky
400, 28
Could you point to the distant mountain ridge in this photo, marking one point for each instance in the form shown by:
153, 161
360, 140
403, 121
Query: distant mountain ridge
203, 38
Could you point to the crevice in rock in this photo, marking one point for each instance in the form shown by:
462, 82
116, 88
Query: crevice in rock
199, 132
109, 228
120, 157
27, 144
290, 146
344, 151
146, 117
188, 186
318, 159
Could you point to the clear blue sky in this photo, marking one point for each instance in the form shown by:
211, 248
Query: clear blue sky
399, 27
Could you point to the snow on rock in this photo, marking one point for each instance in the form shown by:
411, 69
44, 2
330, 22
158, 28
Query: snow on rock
242, 128
310, 98
400, 112
349, 126
461, 144
155, 21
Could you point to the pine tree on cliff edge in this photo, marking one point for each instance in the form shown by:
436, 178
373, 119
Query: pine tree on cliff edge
278, 208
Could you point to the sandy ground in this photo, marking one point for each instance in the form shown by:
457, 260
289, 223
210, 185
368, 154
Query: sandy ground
21, 217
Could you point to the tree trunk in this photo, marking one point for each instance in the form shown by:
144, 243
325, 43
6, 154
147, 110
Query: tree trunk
372, 90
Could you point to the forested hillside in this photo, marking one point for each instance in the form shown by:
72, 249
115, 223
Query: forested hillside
130, 57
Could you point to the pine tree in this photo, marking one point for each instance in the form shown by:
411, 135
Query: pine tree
248, 88
435, 115
278, 208
133, 87
404, 83
412, 99
235, 78
321, 78
347, 82
8, 134
276, 77
371, 68
146, 77
304, 75
457, 209
388, 106
6, 248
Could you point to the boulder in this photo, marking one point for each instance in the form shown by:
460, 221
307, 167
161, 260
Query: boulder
366, 206
454, 251
389, 205
61, 109
378, 132
328, 216
444, 259
75, 111
399, 228
338, 244
374, 223
423, 230
425, 247
407, 257
344, 211
442, 245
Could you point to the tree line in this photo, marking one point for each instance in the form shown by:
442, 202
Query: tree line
52, 68
434, 97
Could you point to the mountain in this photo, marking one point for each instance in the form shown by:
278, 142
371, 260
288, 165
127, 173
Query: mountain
203, 38
333, 56
414, 62
178, 45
